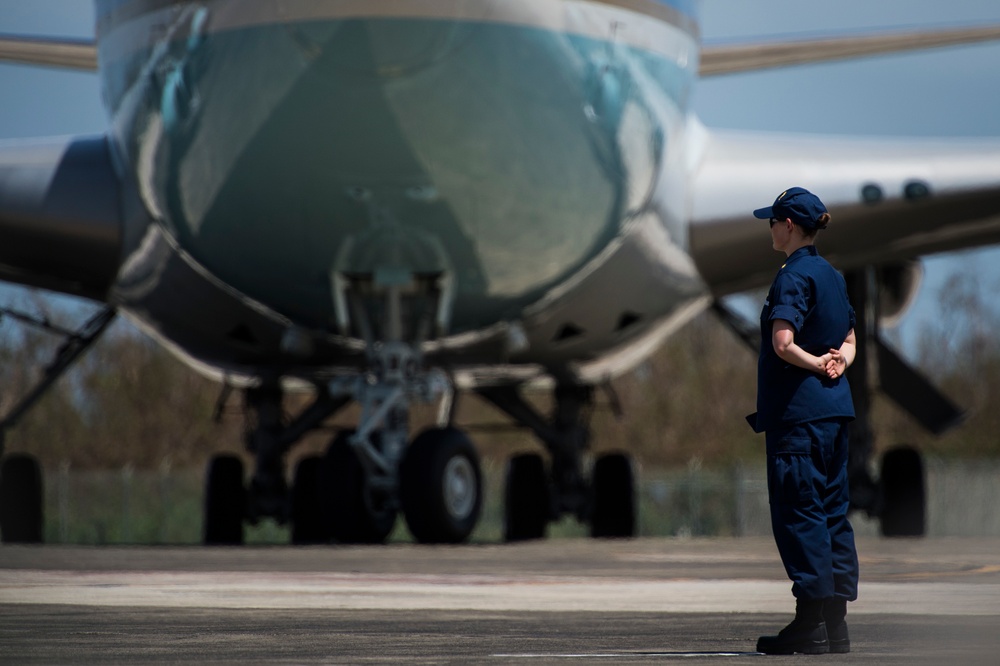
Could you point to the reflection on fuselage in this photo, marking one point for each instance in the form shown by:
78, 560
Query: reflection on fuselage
279, 153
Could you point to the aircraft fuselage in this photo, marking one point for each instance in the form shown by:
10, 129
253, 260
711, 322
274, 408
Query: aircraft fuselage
529, 154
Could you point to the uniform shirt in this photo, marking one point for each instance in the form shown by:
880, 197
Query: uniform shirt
811, 295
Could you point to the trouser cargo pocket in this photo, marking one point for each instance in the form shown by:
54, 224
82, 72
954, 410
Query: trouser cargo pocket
789, 470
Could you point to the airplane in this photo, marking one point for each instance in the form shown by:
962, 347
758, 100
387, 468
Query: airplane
387, 202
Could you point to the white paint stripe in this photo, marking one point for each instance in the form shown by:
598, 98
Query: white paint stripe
624, 655
483, 593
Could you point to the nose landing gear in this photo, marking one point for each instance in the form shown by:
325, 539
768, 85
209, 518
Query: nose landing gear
441, 486
368, 475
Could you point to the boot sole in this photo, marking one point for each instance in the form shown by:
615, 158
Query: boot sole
809, 648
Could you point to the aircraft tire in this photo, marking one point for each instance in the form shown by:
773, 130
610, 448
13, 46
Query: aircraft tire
613, 511
21, 515
903, 493
225, 501
307, 517
527, 498
441, 486
348, 516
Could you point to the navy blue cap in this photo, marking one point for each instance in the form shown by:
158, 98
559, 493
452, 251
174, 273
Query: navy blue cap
797, 204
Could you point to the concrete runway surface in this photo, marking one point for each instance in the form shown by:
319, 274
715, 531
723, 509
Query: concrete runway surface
931, 601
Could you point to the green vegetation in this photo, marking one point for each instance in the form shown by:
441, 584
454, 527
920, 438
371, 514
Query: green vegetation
163, 506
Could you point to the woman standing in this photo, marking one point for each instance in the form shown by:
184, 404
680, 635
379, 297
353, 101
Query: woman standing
803, 407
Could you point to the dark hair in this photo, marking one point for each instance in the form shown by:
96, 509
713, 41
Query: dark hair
821, 222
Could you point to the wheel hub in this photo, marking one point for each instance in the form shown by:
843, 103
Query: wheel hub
459, 487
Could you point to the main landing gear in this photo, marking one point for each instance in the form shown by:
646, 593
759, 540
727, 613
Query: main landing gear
535, 495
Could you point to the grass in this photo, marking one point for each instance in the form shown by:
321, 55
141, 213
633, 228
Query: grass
164, 507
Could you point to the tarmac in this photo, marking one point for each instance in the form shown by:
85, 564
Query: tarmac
928, 601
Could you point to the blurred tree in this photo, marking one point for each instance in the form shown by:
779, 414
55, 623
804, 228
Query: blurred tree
130, 402
126, 401
960, 353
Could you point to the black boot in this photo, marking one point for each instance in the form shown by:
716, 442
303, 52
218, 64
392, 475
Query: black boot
806, 633
834, 612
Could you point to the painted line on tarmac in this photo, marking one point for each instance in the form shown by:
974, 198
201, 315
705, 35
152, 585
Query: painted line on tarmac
285, 590
625, 655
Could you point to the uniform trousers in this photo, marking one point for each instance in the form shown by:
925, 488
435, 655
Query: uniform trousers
807, 487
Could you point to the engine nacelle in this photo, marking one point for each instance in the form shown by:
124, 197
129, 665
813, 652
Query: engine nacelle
60, 215
898, 285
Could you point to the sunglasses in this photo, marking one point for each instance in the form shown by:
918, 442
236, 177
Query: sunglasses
775, 221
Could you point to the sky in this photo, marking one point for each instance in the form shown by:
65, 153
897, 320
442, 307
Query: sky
940, 92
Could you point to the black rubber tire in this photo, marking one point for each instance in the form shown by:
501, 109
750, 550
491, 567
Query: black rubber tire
527, 498
308, 526
22, 518
225, 502
613, 512
441, 486
346, 511
904, 496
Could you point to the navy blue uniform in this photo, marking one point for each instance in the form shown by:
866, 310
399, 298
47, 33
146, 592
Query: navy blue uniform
804, 415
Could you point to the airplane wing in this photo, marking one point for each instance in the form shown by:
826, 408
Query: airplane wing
733, 58
715, 60
891, 199
52, 52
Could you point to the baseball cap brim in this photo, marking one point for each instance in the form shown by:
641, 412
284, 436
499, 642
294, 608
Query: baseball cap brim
764, 213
